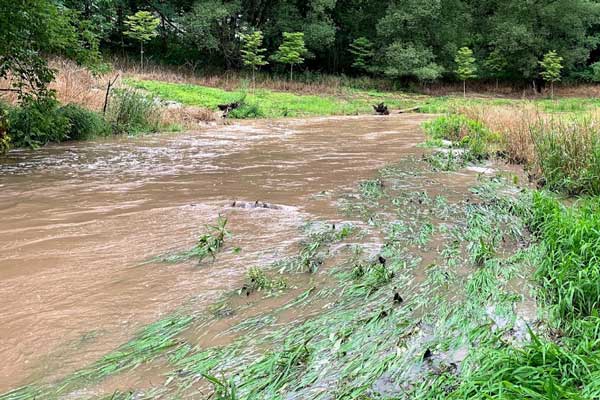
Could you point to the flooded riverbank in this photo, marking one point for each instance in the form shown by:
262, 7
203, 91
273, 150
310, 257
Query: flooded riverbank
78, 220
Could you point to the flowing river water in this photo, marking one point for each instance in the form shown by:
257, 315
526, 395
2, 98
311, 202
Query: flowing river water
78, 223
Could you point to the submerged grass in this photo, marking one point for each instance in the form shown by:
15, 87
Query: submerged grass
393, 325
209, 244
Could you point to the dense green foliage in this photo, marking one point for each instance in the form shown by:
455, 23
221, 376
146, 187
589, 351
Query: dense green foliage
141, 26
37, 122
472, 136
465, 66
568, 272
409, 39
291, 51
253, 52
84, 124
34, 28
4, 126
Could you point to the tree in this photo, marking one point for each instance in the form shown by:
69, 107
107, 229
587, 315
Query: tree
410, 61
36, 28
495, 65
253, 52
142, 27
291, 51
551, 68
212, 27
465, 66
362, 50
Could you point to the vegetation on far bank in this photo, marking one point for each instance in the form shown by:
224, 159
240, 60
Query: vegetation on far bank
263, 103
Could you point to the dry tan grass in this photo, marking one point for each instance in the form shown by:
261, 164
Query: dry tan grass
233, 80
77, 85
188, 117
513, 124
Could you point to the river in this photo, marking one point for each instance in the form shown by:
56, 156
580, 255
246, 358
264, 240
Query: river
79, 221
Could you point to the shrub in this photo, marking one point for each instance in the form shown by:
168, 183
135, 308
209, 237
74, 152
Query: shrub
132, 112
247, 110
37, 122
84, 124
467, 133
4, 137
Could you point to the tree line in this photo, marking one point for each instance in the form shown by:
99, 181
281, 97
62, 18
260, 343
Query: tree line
412, 40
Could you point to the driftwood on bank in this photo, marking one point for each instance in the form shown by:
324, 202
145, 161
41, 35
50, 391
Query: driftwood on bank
409, 110
381, 109
227, 108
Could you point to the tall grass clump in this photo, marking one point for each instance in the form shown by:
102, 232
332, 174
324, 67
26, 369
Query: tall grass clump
132, 112
567, 154
209, 244
565, 365
562, 153
570, 272
467, 133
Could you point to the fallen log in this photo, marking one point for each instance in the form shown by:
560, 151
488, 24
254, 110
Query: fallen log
381, 109
409, 110
227, 108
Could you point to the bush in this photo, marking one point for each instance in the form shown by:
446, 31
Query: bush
132, 112
84, 124
37, 122
4, 137
246, 110
466, 133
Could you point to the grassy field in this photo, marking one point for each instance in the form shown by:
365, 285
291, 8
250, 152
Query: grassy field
274, 104
266, 103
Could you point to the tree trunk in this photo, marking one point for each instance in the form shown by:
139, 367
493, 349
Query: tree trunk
253, 79
291, 72
465, 88
552, 90
142, 56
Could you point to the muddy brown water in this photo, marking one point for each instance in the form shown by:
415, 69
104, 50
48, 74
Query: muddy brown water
77, 220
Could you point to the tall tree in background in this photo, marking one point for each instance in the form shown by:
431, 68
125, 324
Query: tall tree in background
253, 52
291, 51
212, 27
551, 68
465, 66
362, 50
495, 66
141, 26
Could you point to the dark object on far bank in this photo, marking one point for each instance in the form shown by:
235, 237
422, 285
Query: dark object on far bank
227, 108
381, 109
381, 260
